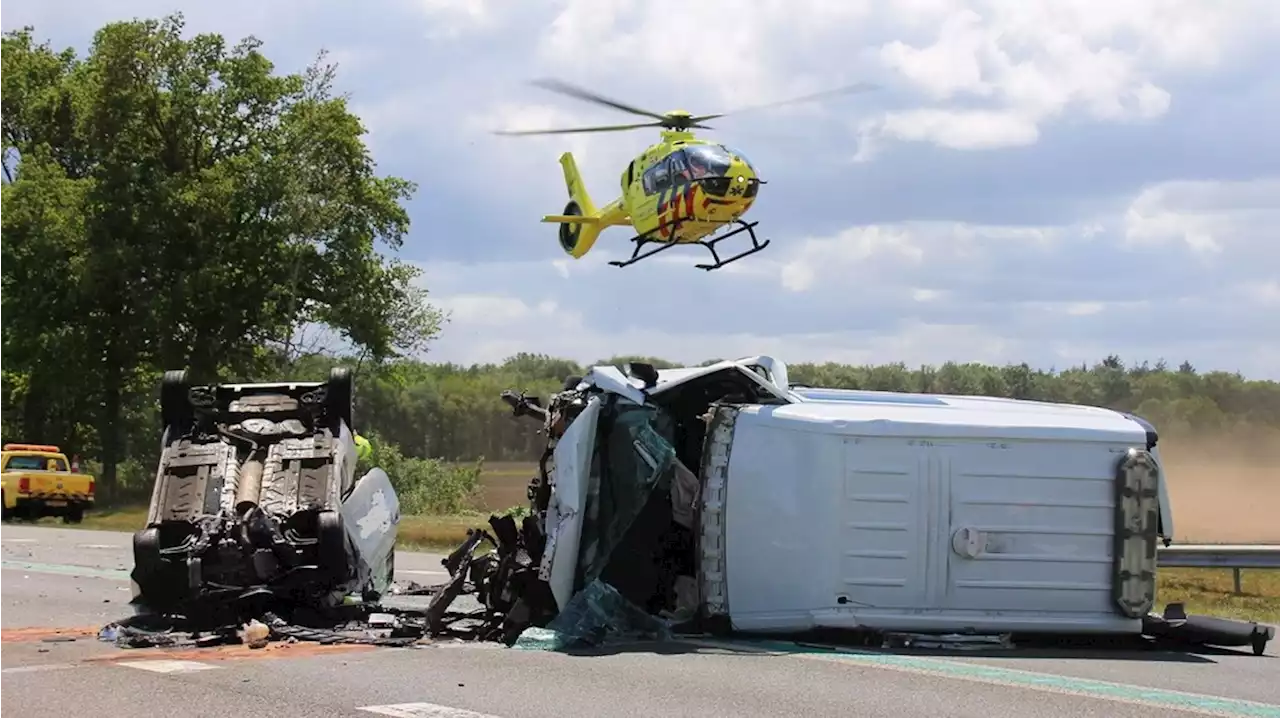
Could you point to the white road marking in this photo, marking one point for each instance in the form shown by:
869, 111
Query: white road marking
98, 545
423, 710
18, 540
39, 668
168, 666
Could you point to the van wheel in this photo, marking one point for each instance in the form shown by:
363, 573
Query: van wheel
73, 516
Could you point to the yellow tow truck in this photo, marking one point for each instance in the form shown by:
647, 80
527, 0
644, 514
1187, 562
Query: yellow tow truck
38, 481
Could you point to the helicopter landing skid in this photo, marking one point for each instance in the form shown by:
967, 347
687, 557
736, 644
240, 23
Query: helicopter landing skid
748, 227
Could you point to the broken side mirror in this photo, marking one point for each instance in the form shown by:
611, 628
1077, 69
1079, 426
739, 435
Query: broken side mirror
644, 372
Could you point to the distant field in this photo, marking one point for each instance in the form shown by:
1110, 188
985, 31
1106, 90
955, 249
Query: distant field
504, 484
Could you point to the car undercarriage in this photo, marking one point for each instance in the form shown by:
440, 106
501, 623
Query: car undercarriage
256, 507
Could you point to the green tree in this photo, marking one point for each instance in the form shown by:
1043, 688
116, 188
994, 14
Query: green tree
172, 202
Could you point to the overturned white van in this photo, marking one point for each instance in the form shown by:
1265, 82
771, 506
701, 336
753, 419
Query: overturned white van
728, 497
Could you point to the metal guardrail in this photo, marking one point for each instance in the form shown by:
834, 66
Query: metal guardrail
1235, 557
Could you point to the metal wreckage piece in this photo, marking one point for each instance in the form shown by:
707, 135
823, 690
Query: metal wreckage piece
234, 554
631, 577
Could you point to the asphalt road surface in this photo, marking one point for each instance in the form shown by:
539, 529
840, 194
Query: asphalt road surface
59, 586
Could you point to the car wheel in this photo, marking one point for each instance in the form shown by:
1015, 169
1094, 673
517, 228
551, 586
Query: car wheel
73, 516
176, 411
331, 540
340, 394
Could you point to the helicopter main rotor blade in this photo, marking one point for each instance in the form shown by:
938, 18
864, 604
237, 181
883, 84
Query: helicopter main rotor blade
565, 88
572, 130
847, 89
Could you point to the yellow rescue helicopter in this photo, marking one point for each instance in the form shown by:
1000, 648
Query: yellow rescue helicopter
680, 190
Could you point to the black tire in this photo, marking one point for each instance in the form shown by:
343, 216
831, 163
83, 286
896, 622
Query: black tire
331, 548
5, 514
570, 232
176, 411
73, 516
340, 396
147, 569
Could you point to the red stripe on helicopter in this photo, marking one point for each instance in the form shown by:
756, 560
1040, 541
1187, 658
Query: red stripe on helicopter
670, 202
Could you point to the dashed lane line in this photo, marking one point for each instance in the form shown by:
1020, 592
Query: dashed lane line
423, 710
167, 666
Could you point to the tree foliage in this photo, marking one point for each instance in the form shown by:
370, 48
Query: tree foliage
453, 412
172, 202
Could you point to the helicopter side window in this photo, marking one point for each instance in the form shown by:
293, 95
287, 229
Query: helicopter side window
657, 178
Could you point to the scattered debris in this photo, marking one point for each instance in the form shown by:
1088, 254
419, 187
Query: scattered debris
256, 634
625, 537
948, 641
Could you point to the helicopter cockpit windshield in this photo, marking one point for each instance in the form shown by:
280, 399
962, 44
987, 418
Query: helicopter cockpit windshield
707, 161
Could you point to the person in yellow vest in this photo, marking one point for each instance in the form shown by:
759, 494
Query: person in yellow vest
364, 450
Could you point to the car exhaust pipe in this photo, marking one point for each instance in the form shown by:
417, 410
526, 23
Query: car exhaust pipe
250, 485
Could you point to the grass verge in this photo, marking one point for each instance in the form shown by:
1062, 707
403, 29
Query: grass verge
1209, 591
1202, 590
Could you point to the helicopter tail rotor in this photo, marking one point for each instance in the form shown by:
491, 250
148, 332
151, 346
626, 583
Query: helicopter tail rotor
580, 224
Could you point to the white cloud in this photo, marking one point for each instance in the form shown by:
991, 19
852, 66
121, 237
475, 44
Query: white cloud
1128, 207
921, 292
959, 130
1028, 62
1207, 216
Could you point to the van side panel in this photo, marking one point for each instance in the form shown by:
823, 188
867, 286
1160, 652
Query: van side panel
1041, 531
828, 529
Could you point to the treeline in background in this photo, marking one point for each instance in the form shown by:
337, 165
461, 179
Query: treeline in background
451, 444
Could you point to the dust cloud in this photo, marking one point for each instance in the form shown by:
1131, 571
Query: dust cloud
1224, 489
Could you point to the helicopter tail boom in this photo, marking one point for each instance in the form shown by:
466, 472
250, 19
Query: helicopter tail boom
570, 219
580, 223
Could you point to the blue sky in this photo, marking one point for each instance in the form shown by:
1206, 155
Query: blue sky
1046, 181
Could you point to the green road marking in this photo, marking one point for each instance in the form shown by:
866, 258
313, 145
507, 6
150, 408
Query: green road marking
114, 574
1031, 679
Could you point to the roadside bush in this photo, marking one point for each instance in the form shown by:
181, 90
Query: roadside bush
427, 486
517, 512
